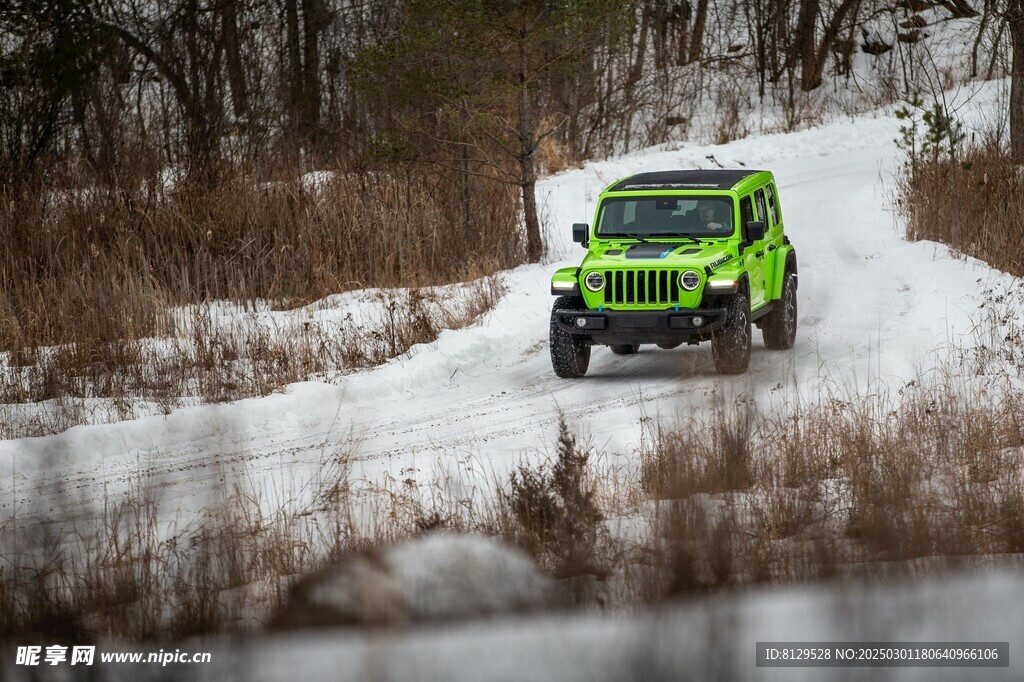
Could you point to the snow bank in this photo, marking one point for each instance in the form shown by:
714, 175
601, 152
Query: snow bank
438, 576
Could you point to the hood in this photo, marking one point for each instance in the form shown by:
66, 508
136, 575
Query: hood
638, 255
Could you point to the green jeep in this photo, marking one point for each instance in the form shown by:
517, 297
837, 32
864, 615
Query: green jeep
674, 256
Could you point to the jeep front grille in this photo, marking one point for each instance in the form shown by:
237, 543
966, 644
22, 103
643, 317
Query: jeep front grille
641, 287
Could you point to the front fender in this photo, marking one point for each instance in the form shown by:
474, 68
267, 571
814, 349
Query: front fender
565, 282
725, 279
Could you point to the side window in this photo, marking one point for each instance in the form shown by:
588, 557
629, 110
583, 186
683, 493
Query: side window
746, 210
773, 204
762, 213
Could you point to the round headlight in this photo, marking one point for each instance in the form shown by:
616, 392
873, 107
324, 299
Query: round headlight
594, 281
689, 280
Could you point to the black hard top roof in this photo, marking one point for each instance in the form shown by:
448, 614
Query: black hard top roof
683, 179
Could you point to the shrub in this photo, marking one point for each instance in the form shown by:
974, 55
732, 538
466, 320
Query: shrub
554, 509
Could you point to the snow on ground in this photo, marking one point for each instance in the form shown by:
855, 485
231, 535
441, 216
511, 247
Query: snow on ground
874, 310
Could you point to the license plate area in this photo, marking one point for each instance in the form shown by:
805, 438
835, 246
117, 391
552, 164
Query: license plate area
639, 321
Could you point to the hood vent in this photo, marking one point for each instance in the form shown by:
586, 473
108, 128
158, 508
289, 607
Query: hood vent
651, 250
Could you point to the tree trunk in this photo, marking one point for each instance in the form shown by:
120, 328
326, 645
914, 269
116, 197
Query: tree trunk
805, 42
660, 34
527, 172
106, 158
831, 34
313, 22
960, 9
756, 34
201, 119
233, 57
682, 19
1015, 22
814, 54
465, 196
534, 245
697, 40
780, 46
294, 106
641, 50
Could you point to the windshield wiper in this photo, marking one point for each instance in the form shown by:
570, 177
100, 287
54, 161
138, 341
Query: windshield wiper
633, 235
630, 235
690, 237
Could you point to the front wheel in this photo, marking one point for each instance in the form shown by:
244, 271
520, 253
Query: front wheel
779, 328
570, 354
730, 345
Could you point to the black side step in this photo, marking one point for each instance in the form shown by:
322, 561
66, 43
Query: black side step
761, 312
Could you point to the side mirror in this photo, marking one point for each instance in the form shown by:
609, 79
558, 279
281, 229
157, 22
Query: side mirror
580, 232
754, 231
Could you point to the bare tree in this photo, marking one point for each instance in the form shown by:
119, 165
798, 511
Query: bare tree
1015, 21
813, 49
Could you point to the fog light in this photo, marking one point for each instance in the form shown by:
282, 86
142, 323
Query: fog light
581, 322
698, 321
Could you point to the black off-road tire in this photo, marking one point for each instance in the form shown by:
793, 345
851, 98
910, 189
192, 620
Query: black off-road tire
625, 348
730, 345
779, 327
570, 354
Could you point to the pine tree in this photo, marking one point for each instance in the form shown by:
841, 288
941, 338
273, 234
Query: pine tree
471, 77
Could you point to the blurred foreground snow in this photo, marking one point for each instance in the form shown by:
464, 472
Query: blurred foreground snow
704, 639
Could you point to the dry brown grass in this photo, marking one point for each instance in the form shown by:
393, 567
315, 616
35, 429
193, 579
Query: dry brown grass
101, 266
97, 282
974, 205
840, 483
553, 155
703, 457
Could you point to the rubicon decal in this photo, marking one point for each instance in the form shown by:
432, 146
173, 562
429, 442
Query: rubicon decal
724, 259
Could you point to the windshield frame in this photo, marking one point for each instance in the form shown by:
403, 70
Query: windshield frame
630, 231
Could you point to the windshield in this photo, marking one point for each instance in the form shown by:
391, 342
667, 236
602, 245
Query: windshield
708, 216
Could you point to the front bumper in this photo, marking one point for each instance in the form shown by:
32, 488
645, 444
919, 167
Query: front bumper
641, 326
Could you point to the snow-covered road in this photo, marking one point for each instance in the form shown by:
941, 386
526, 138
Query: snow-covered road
872, 308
